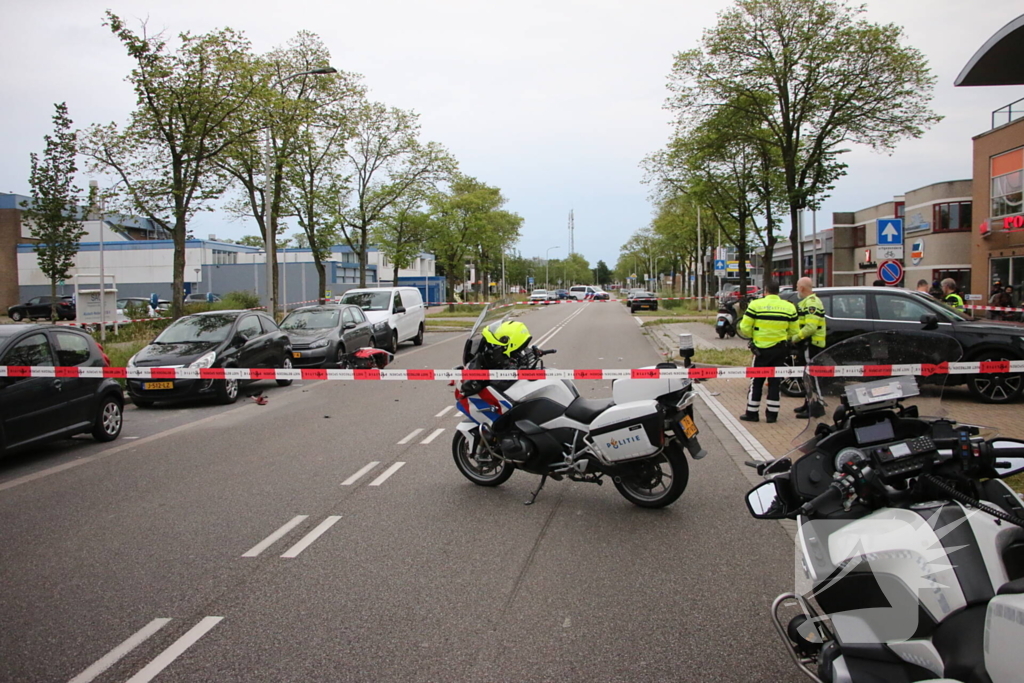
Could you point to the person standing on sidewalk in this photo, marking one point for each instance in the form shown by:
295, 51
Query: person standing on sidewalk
768, 323
950, 296
810, 336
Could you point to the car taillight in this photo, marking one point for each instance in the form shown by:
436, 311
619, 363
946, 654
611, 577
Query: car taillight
106, 358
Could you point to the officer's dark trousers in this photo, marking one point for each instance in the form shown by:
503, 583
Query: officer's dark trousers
773, 356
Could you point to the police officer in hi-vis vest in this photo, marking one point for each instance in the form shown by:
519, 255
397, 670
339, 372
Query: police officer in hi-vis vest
810, 336
769, 323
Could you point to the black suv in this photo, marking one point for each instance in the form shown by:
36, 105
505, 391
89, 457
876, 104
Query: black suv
216, 339
36, 409
39, 307
850, 311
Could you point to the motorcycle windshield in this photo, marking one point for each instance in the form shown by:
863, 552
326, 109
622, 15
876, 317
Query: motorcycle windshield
878, 370
493, 311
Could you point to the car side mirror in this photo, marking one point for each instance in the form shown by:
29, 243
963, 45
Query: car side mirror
348, 326
399, 309
239, 340
765, 501
929, 322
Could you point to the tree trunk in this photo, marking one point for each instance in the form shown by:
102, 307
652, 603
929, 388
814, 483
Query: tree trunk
321, 275
794, 241
53, 299
451, 288
362, 255
394, 276
741, 247
178, 287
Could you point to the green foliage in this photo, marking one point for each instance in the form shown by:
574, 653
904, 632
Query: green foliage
604, 275
240, 299
51, 209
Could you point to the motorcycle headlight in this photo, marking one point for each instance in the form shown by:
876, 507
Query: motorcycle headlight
319, 344
204, 361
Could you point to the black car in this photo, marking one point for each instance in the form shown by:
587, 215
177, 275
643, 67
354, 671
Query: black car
562, 294
37, 409
850, 311
39, 307
321, 335
641, 299
215, 339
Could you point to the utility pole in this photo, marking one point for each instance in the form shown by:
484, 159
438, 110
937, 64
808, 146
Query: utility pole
814, 246
572, 229
700, 266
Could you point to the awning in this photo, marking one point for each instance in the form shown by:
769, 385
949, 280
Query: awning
1000, 61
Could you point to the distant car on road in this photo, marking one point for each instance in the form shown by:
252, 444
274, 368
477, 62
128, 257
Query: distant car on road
39, 307
601, 296
541, 296
38, 409
562, 294
642, 299
396, 313
321, 335
214, 339
199, 298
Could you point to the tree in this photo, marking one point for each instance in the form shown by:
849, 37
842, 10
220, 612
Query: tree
403, 230
187, 114
385, 160
52, 209
603, 275
816, 75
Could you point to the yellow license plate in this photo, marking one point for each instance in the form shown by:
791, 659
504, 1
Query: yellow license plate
689, 428
296, 354
157, 385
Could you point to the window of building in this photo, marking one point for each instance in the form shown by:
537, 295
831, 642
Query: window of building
962, 276
1007, 183
952, 216
1009, 270
859, 236
222, 257
899, 209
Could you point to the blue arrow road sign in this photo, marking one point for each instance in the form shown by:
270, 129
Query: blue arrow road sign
529, 280
890, 272
890, 231
720, 264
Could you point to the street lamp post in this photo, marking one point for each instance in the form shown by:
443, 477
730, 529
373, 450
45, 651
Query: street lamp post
269, 236
546, 284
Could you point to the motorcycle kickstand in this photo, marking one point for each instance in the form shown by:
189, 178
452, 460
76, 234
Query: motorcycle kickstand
533, 496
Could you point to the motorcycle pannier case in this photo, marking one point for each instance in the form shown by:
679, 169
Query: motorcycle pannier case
625, 432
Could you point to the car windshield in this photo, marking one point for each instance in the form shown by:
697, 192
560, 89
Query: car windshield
311, 320
197, 328
369, 301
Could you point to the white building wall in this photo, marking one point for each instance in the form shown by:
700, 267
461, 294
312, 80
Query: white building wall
127, 265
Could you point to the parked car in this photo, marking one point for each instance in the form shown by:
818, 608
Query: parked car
214, 339
143, 304
321, 335
396, 313
541, 296
732, 291
37, 409
850, 311
562, 294
200, 298
581, 292
601, 296
39, 307
643, 299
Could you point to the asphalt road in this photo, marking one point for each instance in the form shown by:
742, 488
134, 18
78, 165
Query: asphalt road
322, 538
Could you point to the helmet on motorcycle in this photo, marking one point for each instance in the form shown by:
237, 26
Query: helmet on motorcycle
509, 335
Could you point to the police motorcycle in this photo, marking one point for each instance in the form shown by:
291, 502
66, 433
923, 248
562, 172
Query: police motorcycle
909, 546
544, 427
727, 318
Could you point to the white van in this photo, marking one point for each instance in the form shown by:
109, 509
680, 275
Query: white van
580, 292
396, 313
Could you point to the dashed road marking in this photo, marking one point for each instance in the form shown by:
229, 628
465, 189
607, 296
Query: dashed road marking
358, 475
108, 660
273, 538
386, 473
410, 437
308, 539
444, 412
164, 659
433, 435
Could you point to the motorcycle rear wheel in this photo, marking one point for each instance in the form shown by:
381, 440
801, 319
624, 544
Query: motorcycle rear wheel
654, 482
492, 473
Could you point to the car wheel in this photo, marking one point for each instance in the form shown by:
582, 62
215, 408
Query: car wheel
632, 309
227, 390
394, 342
109, 419
339, 357
286, 364
996, 387
17, 316
418, 339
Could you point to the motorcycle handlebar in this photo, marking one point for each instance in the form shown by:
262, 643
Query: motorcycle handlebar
541, 352
833, 494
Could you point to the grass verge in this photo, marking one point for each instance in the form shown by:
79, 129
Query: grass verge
1016, 483
731, 357
671, 321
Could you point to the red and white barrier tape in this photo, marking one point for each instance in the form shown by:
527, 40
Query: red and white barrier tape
1007, 309
963, 368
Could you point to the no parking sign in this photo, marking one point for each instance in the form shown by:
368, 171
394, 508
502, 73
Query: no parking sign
890, 272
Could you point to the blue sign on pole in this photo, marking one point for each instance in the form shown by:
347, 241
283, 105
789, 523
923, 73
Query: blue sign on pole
529, 280
720, 266
890, 231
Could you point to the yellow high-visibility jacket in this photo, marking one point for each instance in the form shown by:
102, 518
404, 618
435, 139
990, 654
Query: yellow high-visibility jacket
769, 321
811, 321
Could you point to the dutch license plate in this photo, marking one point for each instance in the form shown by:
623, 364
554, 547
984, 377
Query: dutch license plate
296, 354
689, 428
147, 386
721, 323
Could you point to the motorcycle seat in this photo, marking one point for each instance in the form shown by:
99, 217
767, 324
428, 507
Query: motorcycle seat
585, 410
1012, 588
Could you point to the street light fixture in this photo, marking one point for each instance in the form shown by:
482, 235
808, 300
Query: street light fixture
546, 285
270, 243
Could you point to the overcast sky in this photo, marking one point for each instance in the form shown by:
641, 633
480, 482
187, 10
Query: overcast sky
555, 102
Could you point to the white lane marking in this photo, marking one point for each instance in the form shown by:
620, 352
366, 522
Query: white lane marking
273, 538
129, 438
112, 657
179, 646
444, 412
751, 445
558, 328
433, 435
358, 475
308, 539
410, 437
639, 321
386, 473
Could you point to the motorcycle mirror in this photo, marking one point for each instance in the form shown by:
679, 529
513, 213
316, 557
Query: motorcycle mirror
765, 501
1008, 455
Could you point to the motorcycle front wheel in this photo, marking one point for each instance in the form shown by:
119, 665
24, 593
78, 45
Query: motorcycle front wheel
654, 482
492, 472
